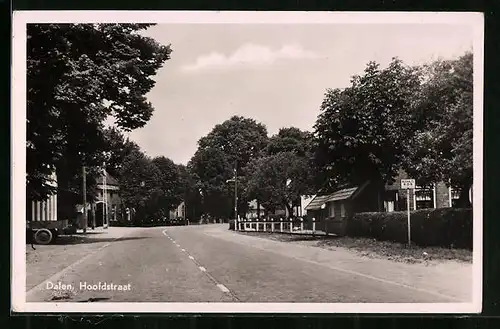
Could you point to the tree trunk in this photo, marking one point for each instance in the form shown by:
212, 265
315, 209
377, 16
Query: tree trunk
289, 209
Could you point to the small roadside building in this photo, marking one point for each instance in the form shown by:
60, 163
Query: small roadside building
332, 210
179, 212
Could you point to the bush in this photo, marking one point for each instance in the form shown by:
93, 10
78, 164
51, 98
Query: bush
445, 227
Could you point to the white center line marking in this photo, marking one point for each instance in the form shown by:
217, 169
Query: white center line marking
222, 287
202, 269
191, 257
183, 249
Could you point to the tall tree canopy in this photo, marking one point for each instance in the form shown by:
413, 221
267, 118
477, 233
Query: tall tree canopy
362, 130
441, 150
169, 183
290, 140
79, 75
117, 148
232, 143
151, 186
288, 158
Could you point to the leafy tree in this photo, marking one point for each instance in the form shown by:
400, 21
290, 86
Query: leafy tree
288, 156
169, 183
78, 75
189, 192
212, 170
117, 148
362, 130
268, 177
141, 186
441, 149
229, 145
290, 140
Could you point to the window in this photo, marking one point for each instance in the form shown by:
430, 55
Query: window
331, 209
389, 206
424, 197
454, 196
342, 209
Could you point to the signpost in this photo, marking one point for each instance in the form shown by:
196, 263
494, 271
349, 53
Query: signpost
408, 184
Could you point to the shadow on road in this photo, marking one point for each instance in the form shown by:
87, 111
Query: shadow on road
82, 239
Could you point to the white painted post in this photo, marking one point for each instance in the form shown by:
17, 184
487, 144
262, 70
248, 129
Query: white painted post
49, 208
39, 210
272, 224
236, 222
301, 224
408, 211
53, 209
281, 224
265, 226
33, 211
44, 210
314, 225
291, 225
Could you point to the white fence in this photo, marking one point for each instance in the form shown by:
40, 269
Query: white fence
282, 225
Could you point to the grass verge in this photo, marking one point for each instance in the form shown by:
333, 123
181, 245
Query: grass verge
372, 248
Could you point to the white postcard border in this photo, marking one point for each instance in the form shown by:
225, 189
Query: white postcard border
18, 154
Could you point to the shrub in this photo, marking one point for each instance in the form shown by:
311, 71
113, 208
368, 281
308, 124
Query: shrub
446, 227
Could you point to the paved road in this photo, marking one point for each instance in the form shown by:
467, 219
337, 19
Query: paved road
208, 263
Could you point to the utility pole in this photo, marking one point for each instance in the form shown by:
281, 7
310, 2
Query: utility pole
84, 192
236, 190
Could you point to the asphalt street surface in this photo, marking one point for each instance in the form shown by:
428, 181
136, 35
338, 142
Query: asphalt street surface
209, 263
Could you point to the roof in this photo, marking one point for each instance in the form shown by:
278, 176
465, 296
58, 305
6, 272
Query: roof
342, 194
110, 180
317, 202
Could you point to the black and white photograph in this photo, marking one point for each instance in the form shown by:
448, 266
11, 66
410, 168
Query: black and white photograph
255, 162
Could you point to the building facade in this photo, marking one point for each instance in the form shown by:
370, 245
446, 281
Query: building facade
437, 195
108, 207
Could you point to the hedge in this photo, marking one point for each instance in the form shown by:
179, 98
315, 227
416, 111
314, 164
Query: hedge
445, 227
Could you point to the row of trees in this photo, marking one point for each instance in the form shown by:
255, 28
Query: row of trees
416, 119
78, 77
275, 171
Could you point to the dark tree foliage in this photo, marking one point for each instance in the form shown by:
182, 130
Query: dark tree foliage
441, 150
362, 130
231, 144
79, 75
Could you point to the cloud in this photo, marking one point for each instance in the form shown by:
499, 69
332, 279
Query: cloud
250, 54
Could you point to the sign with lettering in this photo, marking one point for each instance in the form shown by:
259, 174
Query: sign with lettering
407, 183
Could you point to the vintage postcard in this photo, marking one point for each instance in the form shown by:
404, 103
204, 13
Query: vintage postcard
247, 162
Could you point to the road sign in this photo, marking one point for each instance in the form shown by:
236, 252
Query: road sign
407, 183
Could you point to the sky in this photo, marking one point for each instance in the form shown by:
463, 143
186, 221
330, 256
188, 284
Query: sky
275, 74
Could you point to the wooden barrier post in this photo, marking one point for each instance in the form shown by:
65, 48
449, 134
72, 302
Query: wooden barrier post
272, 224
257, 224
281, 225
301, 224
265, 226
314, 225
291, 225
